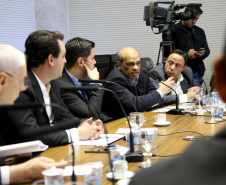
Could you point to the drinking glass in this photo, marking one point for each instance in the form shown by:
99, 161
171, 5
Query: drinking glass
137, 120
212, 106
199, 93
146, 140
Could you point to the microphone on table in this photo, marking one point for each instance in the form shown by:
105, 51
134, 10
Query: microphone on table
131, 156
176, 111
108, 82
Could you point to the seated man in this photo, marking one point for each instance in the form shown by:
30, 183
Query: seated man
137, 86
80, 64
12, 74
45, 61
175, 66
203, 163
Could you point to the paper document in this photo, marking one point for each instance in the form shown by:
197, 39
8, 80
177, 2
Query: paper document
102, 141
20, 148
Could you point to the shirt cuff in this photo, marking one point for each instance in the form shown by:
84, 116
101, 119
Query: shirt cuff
73, 135
95, 84
183, 98
160, 92
5, 174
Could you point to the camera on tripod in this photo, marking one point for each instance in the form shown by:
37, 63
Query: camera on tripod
161, 18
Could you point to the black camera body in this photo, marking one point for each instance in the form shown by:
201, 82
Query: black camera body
159, 17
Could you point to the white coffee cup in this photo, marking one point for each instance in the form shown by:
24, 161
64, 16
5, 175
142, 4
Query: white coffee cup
120, 168
160, 118
53, 176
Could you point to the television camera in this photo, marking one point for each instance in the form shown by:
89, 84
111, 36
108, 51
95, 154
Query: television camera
161, 18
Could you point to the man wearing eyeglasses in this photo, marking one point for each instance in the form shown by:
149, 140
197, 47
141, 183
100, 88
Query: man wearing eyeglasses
45, 53
176, 67
13, 71
136, 84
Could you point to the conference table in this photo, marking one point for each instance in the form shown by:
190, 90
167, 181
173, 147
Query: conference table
166, 145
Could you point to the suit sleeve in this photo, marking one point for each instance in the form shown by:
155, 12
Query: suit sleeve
166, 99
78, 107
25, 120
142, 102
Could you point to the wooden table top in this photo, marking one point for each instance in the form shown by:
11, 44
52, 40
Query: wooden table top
166, 145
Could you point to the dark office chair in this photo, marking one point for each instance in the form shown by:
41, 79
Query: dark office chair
103, 65
147, 63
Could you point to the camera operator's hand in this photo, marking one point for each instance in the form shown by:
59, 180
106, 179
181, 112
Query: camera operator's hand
191, 54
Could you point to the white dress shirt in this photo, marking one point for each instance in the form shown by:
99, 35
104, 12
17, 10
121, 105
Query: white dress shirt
177, 87
73, 135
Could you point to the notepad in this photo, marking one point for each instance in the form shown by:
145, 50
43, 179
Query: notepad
102, 141
21, 148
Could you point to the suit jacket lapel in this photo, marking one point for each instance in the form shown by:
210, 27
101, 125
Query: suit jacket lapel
37, 90
65, 75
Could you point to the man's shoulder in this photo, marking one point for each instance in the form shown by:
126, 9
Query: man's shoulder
159, 70
187, 72
115, 73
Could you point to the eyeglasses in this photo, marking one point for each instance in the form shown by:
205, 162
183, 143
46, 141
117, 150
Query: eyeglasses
23, 87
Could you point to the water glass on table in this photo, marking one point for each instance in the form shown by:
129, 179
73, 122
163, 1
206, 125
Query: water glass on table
137, 120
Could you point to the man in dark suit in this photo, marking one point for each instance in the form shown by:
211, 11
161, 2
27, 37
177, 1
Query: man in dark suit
136, 84
176, 67
12, 74
45, 61
203, 163
80, 64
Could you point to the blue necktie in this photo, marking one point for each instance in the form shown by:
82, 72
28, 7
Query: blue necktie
85, 97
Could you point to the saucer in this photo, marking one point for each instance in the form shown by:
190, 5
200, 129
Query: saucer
123, 181
128, 175
162, 124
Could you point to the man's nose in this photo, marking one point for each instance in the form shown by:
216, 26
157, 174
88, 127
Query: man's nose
172, 67
136, 67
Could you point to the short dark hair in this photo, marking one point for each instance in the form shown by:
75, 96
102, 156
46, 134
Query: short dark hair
40, 44
180, 52
77, 47
119, 57
197, 9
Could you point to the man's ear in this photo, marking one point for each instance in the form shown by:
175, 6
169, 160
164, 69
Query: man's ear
184, 67
119, 65
3, 77
80, 62
220, 76
50, 60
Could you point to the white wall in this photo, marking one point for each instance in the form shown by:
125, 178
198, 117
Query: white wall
114, 24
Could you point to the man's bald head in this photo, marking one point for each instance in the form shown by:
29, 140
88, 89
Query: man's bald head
128, 62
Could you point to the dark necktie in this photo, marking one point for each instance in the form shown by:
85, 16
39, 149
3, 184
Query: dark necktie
85, 97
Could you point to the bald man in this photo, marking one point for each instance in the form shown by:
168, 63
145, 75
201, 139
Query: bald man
136, 84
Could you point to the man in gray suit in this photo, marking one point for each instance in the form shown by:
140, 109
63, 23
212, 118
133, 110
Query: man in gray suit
175, 66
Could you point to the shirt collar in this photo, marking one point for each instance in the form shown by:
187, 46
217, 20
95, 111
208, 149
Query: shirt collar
44, 89
180, 79
133, 82
75, 80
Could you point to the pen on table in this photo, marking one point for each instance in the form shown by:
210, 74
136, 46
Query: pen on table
105, 145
